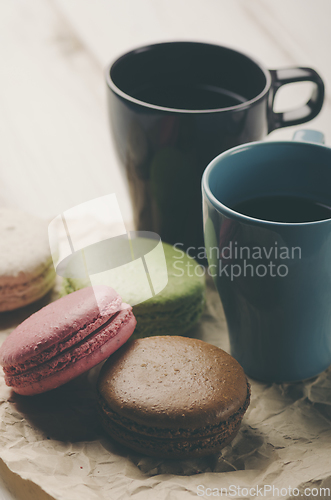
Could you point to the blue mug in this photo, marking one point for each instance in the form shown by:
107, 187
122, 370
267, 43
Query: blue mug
273, 278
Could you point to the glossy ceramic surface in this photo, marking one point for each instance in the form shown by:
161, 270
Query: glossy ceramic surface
276, 288
164, 150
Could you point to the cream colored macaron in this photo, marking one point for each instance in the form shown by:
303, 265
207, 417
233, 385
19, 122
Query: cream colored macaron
26, 267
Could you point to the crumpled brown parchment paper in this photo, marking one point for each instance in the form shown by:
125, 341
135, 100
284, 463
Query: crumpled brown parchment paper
52, 446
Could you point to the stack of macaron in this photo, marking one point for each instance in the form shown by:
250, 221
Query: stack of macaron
175, 309
26, 267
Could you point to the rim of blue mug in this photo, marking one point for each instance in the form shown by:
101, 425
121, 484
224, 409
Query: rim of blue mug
229, 212
237, 107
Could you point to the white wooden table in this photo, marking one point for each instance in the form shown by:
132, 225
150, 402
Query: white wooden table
55, 147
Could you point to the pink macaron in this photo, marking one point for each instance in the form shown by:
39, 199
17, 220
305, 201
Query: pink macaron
65, 339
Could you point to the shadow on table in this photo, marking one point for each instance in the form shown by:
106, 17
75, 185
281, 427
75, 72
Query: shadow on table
69, 414
11, 319
231, 458
65, 414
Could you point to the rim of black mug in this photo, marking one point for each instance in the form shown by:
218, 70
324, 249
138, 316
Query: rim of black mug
229, 212
144, 48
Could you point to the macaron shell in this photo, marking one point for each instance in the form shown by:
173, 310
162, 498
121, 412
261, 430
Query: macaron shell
175, 309
26, 267
14, 294
173, 382
172, 397
74, 369
24, 245
175, 446
88, 308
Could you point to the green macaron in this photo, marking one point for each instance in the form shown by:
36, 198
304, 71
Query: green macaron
174, 310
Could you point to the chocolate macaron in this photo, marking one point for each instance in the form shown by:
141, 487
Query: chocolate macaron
172, 397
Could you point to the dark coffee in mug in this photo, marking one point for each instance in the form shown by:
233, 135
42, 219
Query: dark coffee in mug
188, 96
173, 107
272, 271
288, 209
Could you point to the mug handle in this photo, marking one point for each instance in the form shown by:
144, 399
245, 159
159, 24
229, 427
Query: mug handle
303, 114
307, 135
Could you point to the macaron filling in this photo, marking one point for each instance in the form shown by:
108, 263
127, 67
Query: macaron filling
70, 350
70, 340
171, 441
166, 433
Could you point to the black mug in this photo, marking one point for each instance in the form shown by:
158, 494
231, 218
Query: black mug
175, 106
